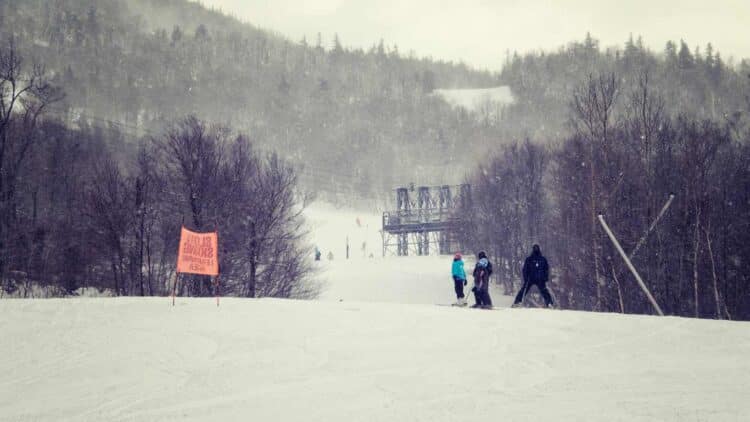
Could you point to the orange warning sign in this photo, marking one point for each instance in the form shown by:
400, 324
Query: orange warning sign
198, 253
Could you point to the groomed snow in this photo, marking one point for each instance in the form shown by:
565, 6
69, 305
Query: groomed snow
134, 359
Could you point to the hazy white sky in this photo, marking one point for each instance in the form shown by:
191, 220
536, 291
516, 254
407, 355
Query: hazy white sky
480, 31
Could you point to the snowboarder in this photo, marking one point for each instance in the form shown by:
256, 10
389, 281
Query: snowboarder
482, 272
459, 279
535, 271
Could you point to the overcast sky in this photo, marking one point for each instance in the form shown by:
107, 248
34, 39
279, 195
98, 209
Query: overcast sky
479, 32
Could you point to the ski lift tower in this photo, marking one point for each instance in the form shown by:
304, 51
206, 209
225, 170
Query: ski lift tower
425, 218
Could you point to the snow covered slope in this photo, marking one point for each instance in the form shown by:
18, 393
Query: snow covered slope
413, 279
134, 359
472, 99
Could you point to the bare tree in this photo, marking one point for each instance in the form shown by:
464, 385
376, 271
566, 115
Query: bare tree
110, 216
509, 208
254, 201
279, 229
193, 153
24, 94
593, 105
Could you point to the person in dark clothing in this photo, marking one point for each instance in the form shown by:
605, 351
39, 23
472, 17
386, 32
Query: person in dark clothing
535, 272
482, 272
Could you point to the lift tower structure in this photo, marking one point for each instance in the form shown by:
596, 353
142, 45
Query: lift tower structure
426, 220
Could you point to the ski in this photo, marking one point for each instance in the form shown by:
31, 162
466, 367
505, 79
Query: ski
494, 308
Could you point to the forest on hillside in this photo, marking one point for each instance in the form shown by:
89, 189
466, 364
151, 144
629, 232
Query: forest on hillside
145, 63
695, 81
358, 122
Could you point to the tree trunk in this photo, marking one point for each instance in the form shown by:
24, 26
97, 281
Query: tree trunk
116, 277
619, 290
717, 298
253, 261
594, 243
149, 266
140, 255
696, 247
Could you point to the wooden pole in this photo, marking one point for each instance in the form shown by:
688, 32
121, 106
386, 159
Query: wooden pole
216, 285
174, 287
630, 265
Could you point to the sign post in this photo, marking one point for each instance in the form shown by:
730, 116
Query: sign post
198, 254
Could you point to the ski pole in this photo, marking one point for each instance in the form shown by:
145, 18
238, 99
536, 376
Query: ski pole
524, 290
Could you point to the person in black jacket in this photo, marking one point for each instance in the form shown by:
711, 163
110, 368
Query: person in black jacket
535, 271
482, 272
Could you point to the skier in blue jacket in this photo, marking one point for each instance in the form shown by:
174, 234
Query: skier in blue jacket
459, 279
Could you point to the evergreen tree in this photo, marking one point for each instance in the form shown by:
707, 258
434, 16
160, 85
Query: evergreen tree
176, 34
684, 57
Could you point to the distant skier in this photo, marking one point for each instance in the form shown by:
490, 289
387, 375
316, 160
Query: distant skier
317, 254
482, 273
459, 279
535, 271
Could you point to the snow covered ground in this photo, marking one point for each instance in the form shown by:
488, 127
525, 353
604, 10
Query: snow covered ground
133, 359
373, 348
413, 279
472, 99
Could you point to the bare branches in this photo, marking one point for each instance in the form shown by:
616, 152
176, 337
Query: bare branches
24, 94
251, 199
593, 104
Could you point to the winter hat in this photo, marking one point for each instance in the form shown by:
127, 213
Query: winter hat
536, 249
482, 254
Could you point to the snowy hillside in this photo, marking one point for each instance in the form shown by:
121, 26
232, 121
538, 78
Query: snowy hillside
472, 99
135, 359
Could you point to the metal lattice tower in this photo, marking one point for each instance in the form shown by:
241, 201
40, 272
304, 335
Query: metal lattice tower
425, 220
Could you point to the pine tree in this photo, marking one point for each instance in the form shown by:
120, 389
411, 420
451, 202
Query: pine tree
201, 33
709, 61
684, 58
176, 35
670, 53
337, 49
